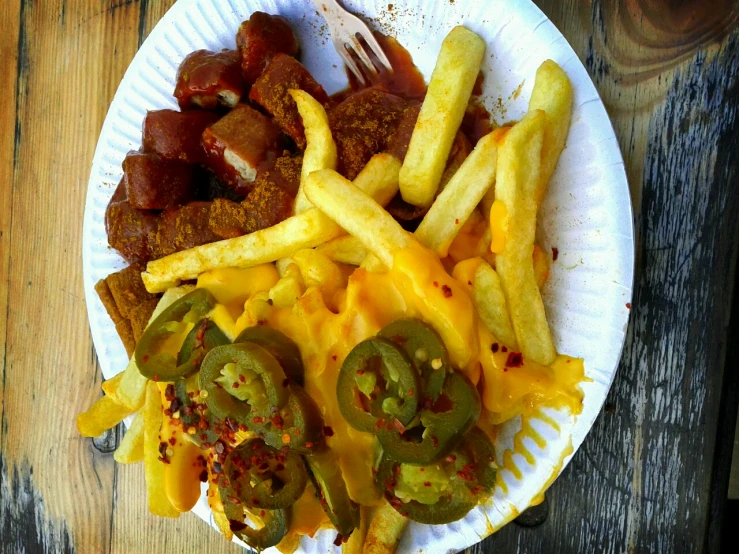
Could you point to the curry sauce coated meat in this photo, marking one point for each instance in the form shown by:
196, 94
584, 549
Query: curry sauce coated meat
177, 135
259, 39
206, 79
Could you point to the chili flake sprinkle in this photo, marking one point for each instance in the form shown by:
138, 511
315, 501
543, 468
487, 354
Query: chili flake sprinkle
495, 347
555, 254
446, 290
515, 359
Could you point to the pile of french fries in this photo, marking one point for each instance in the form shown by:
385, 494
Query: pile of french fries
504, 180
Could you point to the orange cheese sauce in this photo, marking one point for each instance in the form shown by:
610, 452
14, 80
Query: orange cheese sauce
334, 314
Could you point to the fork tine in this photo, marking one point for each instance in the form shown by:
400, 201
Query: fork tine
359, 51
349, 61
377, 49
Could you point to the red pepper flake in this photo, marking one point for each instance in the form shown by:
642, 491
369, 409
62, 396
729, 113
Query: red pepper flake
172, 441
163, 448
163, 460
334, 357
555, 254
203, 476
628, 305
469, 283
258, 419
360, 372
434, 441
235, 385
410, 393
421, 469
503, 349
436, 284
427, 483
447, 291
168, 412
328, 432
451, 458
145, 358
380, 423
262, 513
456, 221
155, 378
495, 347
277, 421
515, 359
242, 378
270, 301
169, 392
236, 526
309, 444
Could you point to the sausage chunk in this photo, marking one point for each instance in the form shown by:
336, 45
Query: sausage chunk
259, 39
131, 231
153, 183
177, 135
271, 92
237, 144
362, 125
206, 79
183, 228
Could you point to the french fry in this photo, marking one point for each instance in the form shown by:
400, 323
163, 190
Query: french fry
345, 250
441, 114
156, 495
517, 179
491, 305
317, 269
541, 266
104, 414
320, 152
553, 95
385, 530
216, 507
131, 448
379, 178
357, 213
132, 387
110, 386
305, 230
462, 194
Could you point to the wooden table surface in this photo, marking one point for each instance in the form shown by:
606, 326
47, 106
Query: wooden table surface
652, 474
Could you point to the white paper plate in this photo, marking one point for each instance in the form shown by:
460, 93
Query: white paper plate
587, 213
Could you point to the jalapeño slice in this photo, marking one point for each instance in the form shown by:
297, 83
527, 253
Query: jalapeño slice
439, 428
153, 362
201, 339
242, 381
377, 373
264, 477
280, 346
424, 348
332, 492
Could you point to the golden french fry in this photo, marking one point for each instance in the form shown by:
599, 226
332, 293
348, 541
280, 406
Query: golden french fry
460, 197
131, 448
345, 250
491, 305
541, 266
288, 289
552, 94
104, 414
357, 213
517, 179
156, 494
320, 152
441, 114
132, 387
379, 178
110, 386
385, 530
304, 230
318, 270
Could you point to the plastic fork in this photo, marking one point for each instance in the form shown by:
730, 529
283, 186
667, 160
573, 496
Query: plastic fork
346, 30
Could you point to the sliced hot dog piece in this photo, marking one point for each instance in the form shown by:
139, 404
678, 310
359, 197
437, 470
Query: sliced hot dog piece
206, 79
153, 183
177, 135
259, 39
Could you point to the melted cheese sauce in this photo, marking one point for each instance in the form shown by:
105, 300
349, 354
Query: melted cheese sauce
333, 315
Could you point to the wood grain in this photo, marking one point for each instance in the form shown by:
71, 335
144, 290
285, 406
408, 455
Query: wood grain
647, 478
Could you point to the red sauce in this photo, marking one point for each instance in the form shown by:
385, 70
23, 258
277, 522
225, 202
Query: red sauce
405, 80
